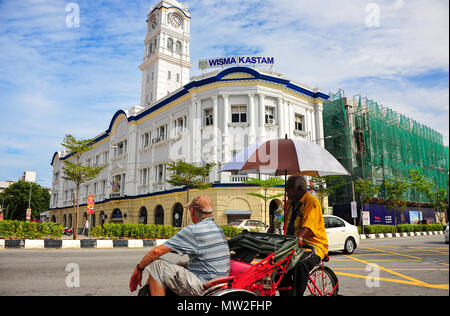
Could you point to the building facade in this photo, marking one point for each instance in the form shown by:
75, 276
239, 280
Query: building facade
207, 118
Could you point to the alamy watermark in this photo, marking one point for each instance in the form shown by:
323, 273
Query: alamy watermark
73, 278
373, 276
73, 15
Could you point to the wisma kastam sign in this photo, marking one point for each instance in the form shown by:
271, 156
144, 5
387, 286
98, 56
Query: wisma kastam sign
236, 61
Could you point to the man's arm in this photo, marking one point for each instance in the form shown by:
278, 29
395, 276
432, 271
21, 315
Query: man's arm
151, 256
304, 233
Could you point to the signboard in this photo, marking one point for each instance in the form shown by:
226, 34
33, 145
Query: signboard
236, 61
90, 205
366, 218
28, 214
354, 209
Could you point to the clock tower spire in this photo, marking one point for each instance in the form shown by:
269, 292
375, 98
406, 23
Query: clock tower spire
166, 63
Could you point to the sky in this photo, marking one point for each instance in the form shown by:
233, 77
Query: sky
61, 75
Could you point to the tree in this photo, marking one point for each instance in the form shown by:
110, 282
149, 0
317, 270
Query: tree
75, 171
395, 191
437, 197
16, 196
266, 185
189, 176
326, 186
366, 191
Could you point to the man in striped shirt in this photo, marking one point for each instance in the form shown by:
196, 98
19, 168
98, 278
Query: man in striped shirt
205, 244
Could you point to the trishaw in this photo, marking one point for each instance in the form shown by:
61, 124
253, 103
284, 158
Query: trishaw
259, 261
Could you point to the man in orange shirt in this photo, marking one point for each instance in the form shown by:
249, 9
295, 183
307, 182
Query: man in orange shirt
304, 219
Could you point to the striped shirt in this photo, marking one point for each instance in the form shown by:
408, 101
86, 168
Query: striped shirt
207, 248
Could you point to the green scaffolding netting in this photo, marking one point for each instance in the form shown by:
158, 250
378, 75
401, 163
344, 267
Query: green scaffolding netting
373, 141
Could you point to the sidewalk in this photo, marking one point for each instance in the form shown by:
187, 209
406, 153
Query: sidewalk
67, 242
398, 235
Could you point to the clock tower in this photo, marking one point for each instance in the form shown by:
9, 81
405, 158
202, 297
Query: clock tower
166, 63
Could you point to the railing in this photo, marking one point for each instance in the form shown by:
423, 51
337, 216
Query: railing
238, 178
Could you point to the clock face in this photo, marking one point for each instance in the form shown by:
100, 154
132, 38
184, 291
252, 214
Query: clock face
175, 20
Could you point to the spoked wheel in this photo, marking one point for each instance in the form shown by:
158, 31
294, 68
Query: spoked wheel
322, 282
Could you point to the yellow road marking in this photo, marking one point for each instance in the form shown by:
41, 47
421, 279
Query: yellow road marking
411, 280
394, 253
435, 286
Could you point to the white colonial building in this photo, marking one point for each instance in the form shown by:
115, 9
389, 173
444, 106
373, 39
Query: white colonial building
207, 118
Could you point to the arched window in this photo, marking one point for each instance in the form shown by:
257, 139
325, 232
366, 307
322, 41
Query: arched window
116, 216
170, 44
64, 220
159, 215
178, 47
177, 215
143, 215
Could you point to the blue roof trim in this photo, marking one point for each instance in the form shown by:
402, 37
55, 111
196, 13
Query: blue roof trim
159, 193
217, 78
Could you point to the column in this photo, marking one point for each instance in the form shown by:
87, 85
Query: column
215, 140
225, 138
262, 112
252, 119
281, 117
319, 124
131, 181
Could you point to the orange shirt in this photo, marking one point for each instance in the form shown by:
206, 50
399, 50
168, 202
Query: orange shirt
310, 215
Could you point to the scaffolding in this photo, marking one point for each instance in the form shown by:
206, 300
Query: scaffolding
374, 141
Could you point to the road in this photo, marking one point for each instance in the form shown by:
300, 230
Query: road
394, 267
406, 266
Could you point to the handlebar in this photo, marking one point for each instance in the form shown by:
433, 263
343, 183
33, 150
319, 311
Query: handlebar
310, 247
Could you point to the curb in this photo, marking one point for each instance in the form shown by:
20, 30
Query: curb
77, 244
399, 235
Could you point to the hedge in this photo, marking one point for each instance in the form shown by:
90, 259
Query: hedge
146, 231
26, 230
402, 228
135, 231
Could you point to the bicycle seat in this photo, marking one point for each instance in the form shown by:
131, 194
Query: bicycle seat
238, 267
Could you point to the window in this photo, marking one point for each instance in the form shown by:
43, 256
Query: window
159, 173
299, 122
178, 77
97, 160
143, 176
270, 115
208, 117
333, 222
170, 44
178, 47
120, 148
239, 114
145, 139
169, 75
105, 156
56, 177
180, 125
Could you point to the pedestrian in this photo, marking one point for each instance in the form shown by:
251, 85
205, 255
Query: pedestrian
86, 228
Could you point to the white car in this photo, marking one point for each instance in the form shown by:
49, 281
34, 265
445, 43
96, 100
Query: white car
342, 236
250, 225
446, 234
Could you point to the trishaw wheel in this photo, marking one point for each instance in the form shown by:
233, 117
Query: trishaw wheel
322, 282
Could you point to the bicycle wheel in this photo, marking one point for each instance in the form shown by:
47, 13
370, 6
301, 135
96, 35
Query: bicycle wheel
322, 282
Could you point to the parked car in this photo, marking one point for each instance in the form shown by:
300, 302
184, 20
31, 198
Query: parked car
446, 234
250, 224
342, 236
